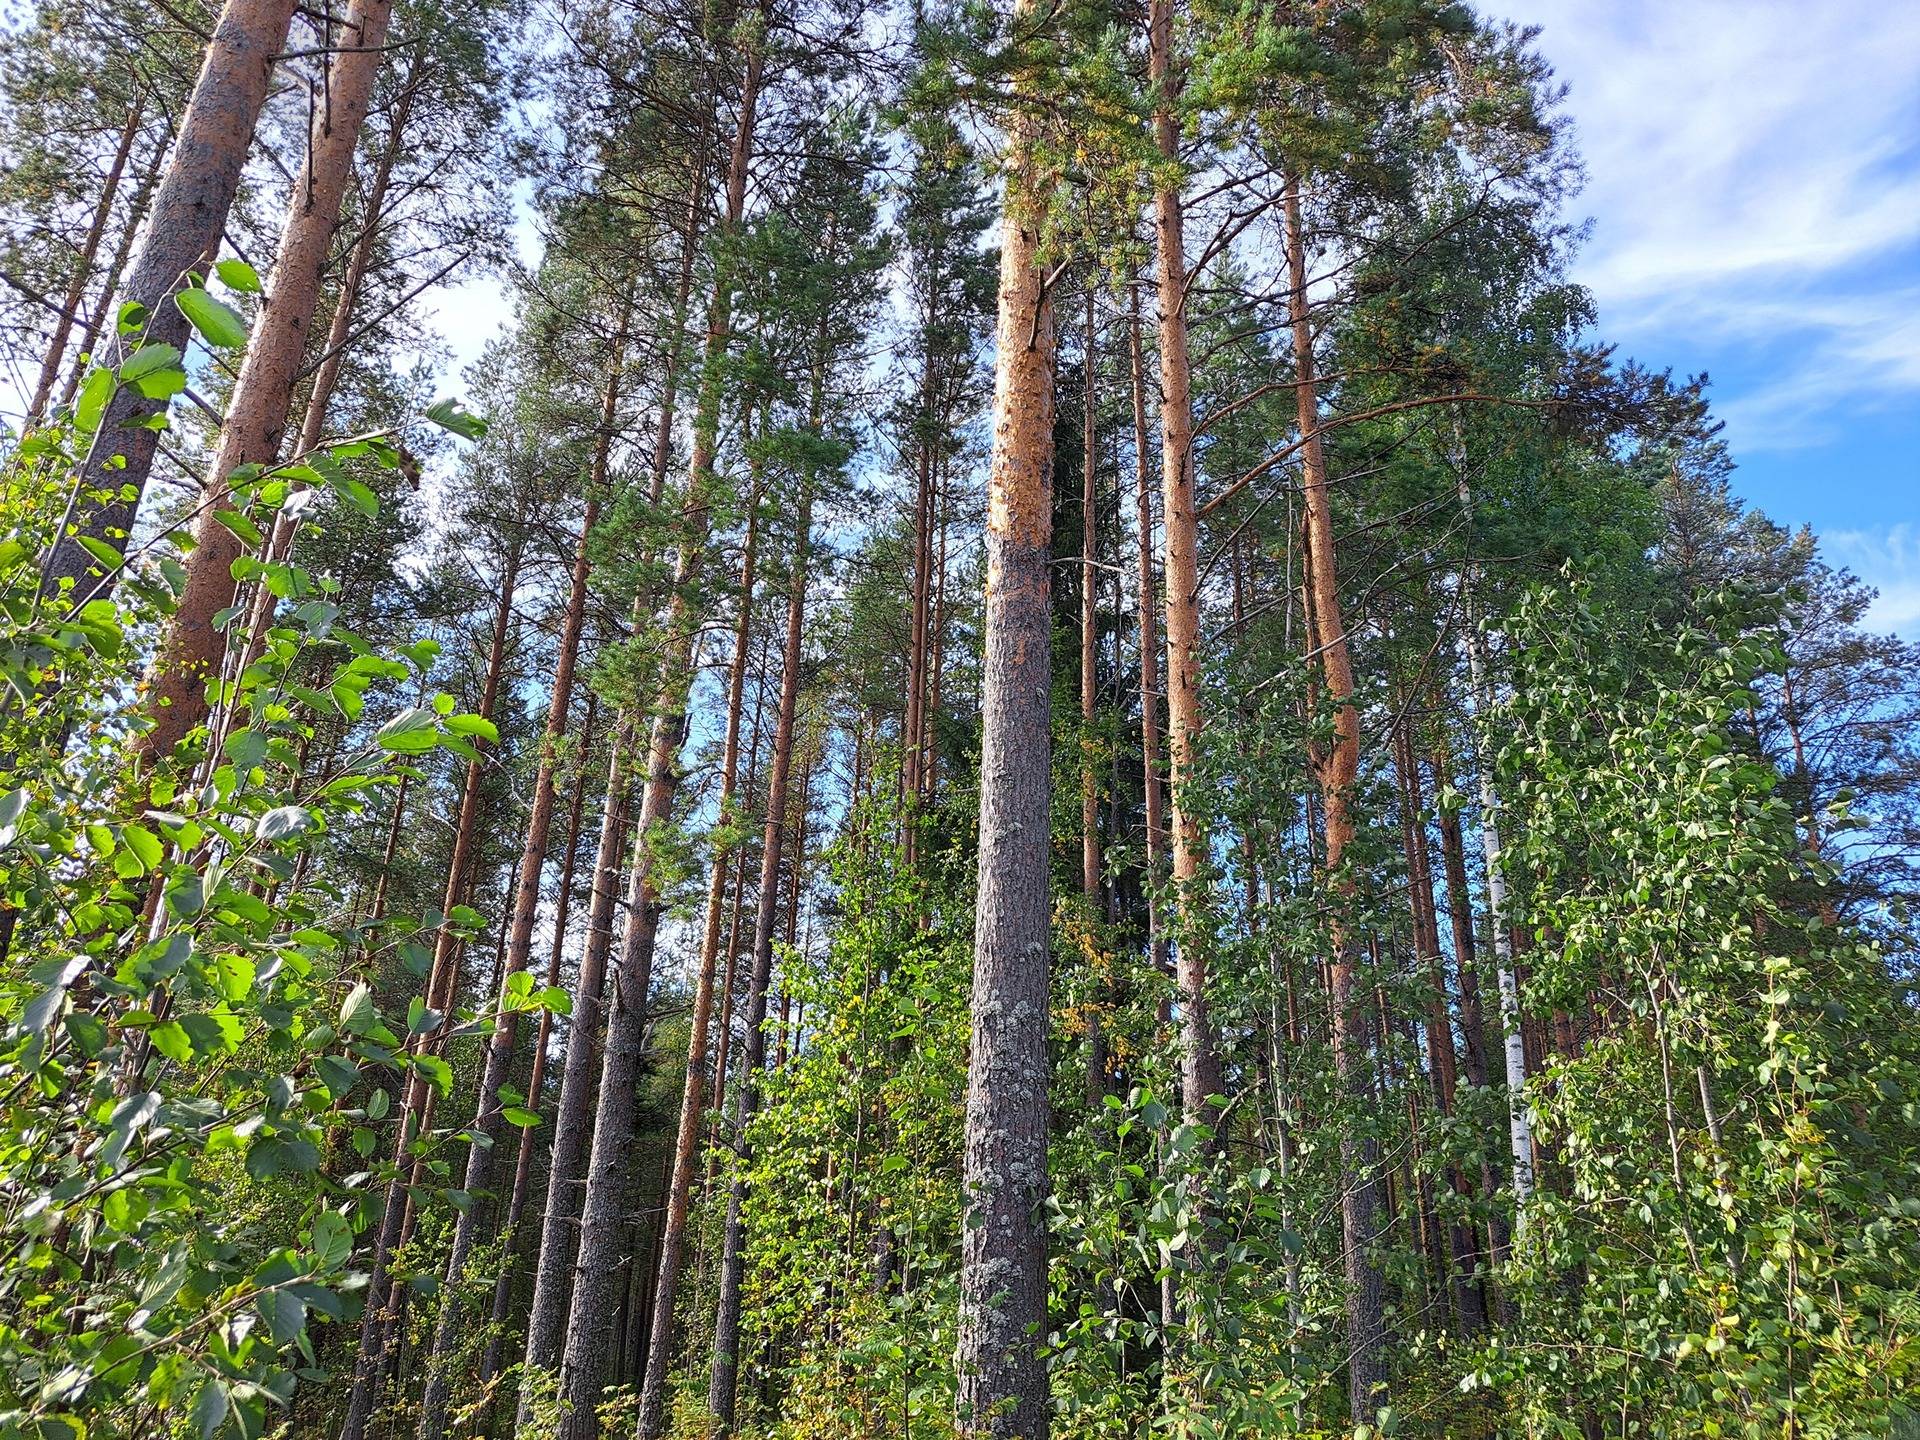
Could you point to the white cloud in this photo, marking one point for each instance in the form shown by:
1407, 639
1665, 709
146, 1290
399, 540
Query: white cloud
1752, 164
1888, 560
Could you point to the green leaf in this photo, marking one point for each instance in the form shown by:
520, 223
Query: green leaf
412, 732
357, 1015
210, 1408
449, 415
92, 403
284, 1312
474, 725
239, 525
149, 358
437, 1071
515, 1115
338, 1075
246, 747
219, 324
143, 843
283, 821
332, 1240
171, 1041
238, 275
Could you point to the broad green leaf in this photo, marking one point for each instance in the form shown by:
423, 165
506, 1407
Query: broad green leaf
219, 324
238, 275
449, 415
412, 732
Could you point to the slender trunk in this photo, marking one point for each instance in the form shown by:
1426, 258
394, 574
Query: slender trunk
1003, 1240
82, 270
1520, 1119
601, 1213
1149, 626
526, 902
189, 217
573, 1115
536, 1081
92, 326
1359, 1201
723, 1382
672, 1235
1200, 1071
1091, 864
1469, 1303
256, 418
416, 1109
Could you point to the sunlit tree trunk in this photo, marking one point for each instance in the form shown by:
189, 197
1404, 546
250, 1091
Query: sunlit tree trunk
1003, 1241
1200, 1073
189, 217
1360, 1199
256, 417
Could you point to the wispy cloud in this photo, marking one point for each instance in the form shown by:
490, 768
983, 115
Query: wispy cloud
1888, 560
1754, 181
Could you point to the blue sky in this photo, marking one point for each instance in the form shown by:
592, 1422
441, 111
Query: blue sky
1754, 190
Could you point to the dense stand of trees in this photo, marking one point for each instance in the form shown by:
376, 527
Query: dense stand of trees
1046, 749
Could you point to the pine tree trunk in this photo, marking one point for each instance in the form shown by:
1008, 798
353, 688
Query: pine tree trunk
1148, 604
573, 1116
416, 1111
666, 1279
82, 271
189, 217
525, 905
1200, 1071
103, 306
601, 1225
573, 1133
536, 1081
1091, 865
724, 1380
326, 379
1359, 1200
1469, 1303
256, 418
1003, 1241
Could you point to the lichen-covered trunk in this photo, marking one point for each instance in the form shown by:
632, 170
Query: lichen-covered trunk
1003, 1236
1339, 769
1200, 1068
189, 216
256, 418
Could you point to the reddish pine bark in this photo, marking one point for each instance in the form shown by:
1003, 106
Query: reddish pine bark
256, 416
1003, 1242
189, 217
